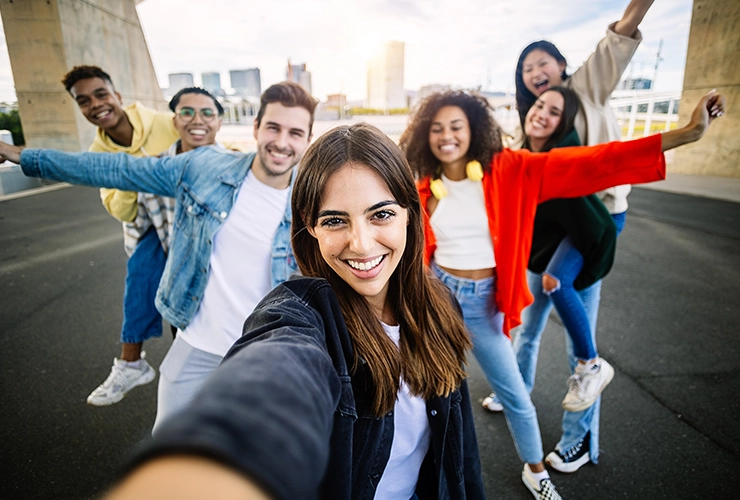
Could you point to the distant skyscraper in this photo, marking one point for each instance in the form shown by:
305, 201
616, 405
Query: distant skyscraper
211, 82
299, 74
385, 78
180, 81
246, 82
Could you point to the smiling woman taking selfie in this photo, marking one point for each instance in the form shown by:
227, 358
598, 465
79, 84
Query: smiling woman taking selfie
348, 382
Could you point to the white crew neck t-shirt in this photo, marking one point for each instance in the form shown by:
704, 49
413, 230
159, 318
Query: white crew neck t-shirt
239, 268
411, 439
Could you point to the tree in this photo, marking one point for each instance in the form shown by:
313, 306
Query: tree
12, 121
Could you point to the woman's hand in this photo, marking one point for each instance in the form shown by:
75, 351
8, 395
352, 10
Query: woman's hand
709, 108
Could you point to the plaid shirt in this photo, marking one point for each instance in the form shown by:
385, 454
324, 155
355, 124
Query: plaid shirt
153, 210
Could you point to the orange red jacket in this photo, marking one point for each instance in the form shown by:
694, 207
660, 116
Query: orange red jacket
518, 180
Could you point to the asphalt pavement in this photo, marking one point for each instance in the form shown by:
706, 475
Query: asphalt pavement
668, 325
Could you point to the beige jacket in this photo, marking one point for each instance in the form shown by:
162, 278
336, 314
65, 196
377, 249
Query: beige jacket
594, 83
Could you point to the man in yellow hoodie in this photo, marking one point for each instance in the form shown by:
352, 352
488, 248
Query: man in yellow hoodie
138, 131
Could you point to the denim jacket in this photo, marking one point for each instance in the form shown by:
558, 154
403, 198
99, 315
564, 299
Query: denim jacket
300, 422
204, 182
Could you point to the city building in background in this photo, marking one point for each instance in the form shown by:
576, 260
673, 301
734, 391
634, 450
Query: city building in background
180, 81
246, 82
635, 84
212, 83
385, 78
299, 74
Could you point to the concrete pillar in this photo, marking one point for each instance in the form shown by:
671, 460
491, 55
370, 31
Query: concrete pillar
713, 62
46, 38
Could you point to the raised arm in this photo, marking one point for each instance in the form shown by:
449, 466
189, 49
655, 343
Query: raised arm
709, 108
632, 17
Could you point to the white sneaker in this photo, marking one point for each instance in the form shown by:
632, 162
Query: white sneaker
585, 385
542, 490
490, 403
122, 379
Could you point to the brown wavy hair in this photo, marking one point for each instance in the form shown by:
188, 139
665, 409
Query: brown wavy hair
433, 336
485, 132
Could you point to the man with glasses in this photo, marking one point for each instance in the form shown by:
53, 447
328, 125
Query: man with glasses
231, 237
139, 131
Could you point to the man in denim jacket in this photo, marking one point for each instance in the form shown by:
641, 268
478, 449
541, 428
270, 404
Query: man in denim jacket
231, 240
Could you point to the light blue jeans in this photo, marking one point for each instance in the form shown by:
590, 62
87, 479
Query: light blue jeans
495, 355
527, 346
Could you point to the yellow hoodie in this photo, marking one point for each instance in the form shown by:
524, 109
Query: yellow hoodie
154, 133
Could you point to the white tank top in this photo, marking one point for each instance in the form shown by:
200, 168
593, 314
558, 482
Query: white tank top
460, 224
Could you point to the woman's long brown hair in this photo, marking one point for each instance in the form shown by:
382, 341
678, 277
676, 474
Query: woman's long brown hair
433, 336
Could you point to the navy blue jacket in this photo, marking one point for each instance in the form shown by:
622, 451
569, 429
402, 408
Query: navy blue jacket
284, 410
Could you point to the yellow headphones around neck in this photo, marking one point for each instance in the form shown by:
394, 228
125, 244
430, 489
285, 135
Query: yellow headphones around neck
473, 170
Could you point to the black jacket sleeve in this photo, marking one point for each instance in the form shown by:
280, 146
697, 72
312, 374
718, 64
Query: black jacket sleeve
268, 409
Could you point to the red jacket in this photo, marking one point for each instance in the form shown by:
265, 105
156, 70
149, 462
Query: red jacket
519, 180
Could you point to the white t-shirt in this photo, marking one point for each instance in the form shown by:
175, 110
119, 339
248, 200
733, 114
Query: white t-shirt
411, 438
239, 269
460, 224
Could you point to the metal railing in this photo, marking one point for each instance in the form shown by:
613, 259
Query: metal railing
626, 105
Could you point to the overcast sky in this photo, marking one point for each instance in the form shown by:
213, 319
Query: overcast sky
465, 43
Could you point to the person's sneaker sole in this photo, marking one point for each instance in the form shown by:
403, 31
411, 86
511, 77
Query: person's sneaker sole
554, 461
490, 404
575, 406
143, 380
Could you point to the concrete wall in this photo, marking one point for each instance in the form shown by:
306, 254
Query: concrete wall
713, 62
47, 38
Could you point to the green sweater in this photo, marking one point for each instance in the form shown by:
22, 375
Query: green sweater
588, 224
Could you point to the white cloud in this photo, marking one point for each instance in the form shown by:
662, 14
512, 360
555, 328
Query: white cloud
463, 43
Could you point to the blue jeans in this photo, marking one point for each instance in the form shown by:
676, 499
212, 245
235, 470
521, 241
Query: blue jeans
565, 266
495, 355
527, 346
141, 320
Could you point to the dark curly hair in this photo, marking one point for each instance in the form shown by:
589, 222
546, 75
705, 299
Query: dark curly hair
485, 133
83, 73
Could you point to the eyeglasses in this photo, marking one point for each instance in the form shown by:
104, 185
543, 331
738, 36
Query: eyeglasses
187, 114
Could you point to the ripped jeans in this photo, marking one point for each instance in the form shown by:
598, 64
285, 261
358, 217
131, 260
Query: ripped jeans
565, 266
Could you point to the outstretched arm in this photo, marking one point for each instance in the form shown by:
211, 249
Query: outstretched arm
709, 108
632, 17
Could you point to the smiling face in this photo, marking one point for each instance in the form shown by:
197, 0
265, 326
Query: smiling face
282, 137
449, 136
99, 102
543, 118
361, 232
196, 131
541, 71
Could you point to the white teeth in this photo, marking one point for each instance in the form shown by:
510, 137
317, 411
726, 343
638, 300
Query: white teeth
278, 155
365, 266
447, 147
102, 114
198, 132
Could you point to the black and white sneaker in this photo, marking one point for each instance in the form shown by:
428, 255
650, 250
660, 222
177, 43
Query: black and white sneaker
542, 490
571, 460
